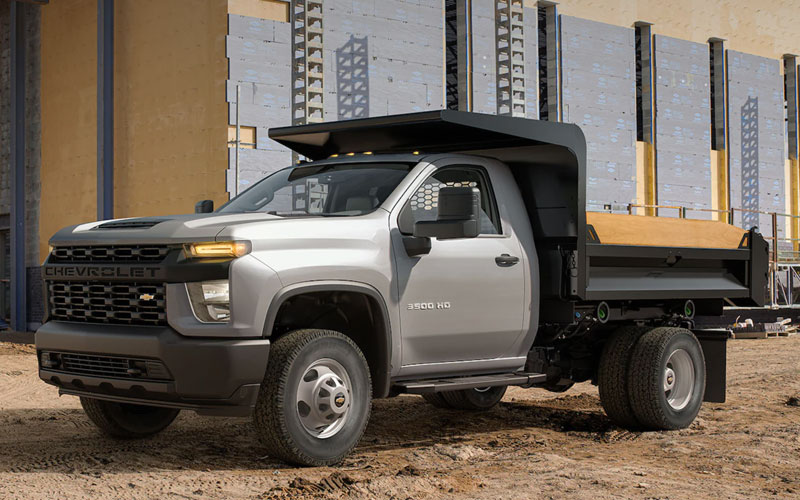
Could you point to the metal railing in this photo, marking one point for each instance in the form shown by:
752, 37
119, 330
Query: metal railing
784, 256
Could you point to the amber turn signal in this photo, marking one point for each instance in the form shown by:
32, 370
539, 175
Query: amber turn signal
217, 249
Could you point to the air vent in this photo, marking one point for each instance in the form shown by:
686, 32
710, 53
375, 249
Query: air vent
104, 366
131, 224
108, 254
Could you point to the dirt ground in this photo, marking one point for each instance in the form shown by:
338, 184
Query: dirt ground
534, 445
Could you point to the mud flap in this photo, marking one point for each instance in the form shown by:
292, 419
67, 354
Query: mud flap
714, 343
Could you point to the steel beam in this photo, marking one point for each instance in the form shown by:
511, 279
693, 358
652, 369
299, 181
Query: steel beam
719, 121
555, 111
105, 109
464, 23
646, 95
17, 115
458, 54
716, 47
790, 88
644, 75
549, 57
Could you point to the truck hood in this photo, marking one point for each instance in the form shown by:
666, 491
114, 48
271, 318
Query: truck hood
155, 230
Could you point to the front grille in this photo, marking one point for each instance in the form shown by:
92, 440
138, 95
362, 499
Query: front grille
97, 302
104, 366
109, 254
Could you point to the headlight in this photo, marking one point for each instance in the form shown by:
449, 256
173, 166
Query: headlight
217, 249
211, 301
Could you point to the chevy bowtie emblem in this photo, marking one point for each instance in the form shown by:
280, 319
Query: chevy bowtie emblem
146, 296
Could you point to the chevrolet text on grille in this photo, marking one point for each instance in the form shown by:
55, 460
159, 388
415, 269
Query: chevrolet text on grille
99, 272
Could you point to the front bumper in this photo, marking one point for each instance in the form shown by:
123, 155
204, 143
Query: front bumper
210, 376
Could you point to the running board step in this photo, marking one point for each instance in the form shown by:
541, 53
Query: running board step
456, 384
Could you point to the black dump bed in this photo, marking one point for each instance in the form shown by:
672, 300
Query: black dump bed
548, 160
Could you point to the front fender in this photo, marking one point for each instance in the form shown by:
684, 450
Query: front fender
388, 352
252, 286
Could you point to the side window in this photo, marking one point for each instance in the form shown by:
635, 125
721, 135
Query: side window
424, 206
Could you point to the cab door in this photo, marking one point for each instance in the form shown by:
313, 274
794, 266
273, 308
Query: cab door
463, 301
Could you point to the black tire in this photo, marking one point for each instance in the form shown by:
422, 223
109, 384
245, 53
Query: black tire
612, 375
128, 421
277, 416
646, 378
436, 399
474, 399
558, 387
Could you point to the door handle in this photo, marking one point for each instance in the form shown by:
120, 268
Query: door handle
506, 260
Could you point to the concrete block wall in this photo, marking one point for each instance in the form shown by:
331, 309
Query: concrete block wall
385, 57
5, 119
33, 137
400, 45
683, 134
529, 19
484, 63
259, 59
484, 60
381, 57
598, 89
756, 131
33, 144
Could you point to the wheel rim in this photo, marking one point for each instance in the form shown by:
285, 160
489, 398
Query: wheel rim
323, 398
679, 377
482, 389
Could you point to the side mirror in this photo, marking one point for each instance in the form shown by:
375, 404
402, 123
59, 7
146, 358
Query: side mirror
458, 217
204, 207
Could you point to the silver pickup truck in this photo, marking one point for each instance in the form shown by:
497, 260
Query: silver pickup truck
445, 254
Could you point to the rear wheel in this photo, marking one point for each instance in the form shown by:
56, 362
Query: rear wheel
123, 420
314, 403
480, 398
612, 375
667, 379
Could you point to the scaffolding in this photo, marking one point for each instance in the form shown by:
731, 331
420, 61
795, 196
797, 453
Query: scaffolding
510, 53
308, 81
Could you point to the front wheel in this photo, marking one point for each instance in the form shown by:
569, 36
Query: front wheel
667, 378
127, 421
314, 403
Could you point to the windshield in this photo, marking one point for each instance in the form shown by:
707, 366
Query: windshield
336, 189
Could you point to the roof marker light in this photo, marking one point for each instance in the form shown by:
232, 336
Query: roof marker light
335, 155
367, 152
415, 152
351, 154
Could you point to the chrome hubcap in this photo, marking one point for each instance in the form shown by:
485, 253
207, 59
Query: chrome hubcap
679, 379
323, 398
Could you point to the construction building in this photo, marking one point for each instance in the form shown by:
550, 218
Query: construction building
122, 108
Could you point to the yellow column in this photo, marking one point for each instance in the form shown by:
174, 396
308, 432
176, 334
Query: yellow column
650, 179
722, 185
794, 192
